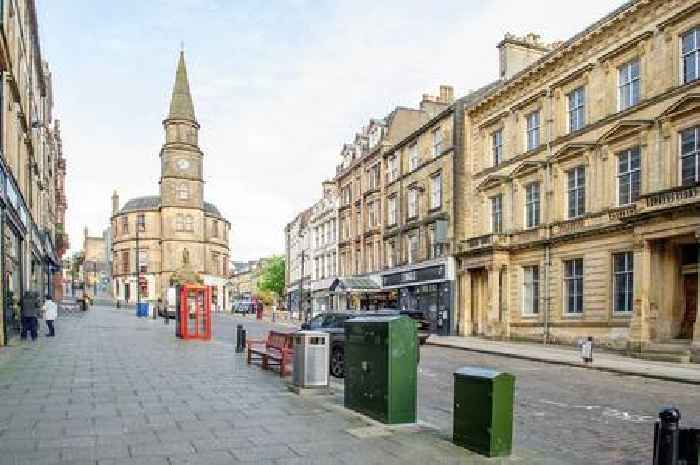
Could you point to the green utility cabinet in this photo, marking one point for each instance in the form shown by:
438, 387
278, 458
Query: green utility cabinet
381, 368
483, 411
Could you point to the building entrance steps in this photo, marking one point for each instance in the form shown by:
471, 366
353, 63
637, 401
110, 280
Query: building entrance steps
604, 361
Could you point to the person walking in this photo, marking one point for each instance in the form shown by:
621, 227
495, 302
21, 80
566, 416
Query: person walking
50, 314
30, 309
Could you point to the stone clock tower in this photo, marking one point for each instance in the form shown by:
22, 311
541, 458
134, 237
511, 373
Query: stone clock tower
175, 236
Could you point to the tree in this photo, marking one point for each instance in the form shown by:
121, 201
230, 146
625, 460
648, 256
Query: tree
272, 276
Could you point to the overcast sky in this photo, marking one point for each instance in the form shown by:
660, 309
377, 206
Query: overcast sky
278, 87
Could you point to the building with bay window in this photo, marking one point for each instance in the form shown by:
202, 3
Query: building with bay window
582, 197
156, 237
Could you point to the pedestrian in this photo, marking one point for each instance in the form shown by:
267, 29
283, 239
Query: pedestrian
50, 314
30, 309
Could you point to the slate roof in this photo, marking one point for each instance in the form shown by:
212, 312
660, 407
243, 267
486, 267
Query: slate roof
152, 202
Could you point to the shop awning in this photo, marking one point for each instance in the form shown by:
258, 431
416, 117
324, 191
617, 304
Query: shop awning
363, 285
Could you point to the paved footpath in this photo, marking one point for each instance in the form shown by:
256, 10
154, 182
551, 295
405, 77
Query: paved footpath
114, 389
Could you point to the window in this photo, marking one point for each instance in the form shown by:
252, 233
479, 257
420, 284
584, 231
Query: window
215, 228
413, 157
691, 55
430, 242
412, 247
358, 224
392, 211
189, 226
125, 225
143, 261
497, 214
183, 192
373, 175
412, 203
141, 223
393, 171
533, 130
624, 282
628, 83
531, 290
628, 176
436, 191
371, 213
437, 142
532, 204
577, 114
357, 261
577, 191
497, 147
179, 222
573, 285
390, 254
690, 152
370, 257
125, 262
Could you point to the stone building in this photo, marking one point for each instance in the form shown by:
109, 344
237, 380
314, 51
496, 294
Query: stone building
323, 226
157, 236
298, 267
31, 202
582, 188
95, 263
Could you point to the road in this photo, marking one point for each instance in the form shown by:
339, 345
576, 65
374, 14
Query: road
577, 414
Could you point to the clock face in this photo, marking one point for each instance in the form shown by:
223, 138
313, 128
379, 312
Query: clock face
183, 164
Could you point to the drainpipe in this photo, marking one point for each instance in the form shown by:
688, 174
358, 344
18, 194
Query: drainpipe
547, 246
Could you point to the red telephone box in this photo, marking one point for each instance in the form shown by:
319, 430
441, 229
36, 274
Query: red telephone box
194, 314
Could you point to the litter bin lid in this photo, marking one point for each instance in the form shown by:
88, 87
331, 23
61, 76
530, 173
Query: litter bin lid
479, 372
308, 333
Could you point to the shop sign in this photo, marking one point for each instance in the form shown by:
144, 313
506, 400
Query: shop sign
431, 273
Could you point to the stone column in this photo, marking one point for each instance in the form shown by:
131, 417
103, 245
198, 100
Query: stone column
639, 326
695, 344
465, 304
493, 311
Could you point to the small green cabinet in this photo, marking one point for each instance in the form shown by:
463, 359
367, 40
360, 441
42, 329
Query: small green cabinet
381, 368
483, 411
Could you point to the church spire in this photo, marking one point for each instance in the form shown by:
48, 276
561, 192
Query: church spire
181, 106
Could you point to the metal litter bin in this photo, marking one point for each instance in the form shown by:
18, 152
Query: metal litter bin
310, 359
483, 411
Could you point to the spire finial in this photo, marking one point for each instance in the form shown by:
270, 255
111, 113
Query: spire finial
182, 46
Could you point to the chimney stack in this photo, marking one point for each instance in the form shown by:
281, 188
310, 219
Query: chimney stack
446, 94
517, 53
115, 203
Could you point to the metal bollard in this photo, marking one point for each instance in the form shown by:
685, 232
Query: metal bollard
240, 339
666, 434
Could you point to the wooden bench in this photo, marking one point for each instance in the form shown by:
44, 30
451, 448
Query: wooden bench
276, 350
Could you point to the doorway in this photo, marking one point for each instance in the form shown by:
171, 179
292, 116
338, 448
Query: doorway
690, 291
127, 294
479, 300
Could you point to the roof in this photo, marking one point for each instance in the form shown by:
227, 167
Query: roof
147, 202
181, 106
152, 202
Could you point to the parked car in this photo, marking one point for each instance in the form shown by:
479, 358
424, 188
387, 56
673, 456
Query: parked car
333, 324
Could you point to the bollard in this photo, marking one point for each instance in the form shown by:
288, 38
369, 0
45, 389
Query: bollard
666, 437
240, 339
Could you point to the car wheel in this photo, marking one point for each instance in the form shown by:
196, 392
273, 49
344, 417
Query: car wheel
338, 363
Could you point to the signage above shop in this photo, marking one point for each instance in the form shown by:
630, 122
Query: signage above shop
431, 273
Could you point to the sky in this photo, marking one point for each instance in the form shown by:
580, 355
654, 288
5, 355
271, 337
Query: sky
278, 87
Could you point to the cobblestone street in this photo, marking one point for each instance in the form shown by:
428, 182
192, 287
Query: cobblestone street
114, 389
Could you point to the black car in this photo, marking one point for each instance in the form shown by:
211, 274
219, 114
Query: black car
333, 324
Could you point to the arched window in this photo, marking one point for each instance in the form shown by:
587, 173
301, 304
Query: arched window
179, 222
183, 192
189, 226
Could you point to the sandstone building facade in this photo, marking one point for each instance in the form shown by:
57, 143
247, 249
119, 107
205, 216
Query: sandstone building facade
155, 237
582, 201
32, 167
558, 202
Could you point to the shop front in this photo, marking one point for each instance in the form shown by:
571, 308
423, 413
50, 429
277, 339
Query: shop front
429, 289
322, 300
358, 294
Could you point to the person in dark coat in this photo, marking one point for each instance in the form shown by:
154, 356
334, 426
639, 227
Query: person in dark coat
30, 311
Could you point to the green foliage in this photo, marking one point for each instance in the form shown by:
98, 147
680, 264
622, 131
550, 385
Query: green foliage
272, 276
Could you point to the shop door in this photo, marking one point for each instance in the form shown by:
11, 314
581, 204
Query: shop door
690, 287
